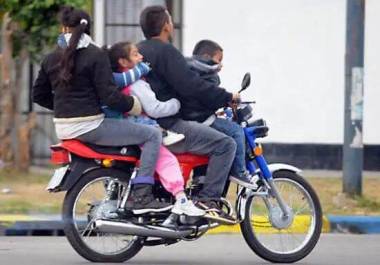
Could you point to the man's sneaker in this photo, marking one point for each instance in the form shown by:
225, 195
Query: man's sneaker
142, 201
187, 207
169, 138
214, 212
246, 180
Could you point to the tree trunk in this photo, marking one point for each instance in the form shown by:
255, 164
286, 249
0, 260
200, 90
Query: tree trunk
15, 133
21, 129
24, 138
7, 108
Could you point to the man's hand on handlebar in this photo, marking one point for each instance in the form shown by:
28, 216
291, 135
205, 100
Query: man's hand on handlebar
235, 100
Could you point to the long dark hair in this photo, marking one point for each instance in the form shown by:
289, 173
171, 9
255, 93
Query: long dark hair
75, 19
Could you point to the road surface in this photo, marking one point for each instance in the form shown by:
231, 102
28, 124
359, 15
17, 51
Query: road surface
332, 249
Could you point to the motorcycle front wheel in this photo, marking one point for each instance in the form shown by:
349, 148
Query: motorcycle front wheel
278, 238
87, 201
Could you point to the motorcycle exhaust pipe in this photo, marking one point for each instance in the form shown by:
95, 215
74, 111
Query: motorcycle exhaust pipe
107, 226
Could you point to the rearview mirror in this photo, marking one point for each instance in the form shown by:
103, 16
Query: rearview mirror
246, 82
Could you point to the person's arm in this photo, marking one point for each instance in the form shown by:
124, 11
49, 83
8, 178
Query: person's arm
129, 77
106, 89
150, 104
42, 91
187, 83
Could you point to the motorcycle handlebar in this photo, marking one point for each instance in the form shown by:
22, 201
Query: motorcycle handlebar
248, 102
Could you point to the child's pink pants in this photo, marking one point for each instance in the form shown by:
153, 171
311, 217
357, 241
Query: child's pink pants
169, 171
167, 166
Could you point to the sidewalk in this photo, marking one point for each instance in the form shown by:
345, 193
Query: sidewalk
29, 225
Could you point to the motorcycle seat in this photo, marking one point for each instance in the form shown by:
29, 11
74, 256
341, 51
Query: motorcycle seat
129, 150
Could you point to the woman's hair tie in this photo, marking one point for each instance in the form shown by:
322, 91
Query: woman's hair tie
83, 21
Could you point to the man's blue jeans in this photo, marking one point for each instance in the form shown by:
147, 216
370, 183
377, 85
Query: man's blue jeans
233, 130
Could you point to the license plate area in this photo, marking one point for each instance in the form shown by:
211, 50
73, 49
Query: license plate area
57, 178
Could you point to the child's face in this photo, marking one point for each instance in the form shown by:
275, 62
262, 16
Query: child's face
218, 58
134, 58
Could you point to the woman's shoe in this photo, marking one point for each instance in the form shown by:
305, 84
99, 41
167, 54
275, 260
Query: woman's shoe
142, 201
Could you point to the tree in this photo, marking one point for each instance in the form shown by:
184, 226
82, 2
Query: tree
29, 27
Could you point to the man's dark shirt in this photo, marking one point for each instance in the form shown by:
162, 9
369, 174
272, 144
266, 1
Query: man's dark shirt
171, 77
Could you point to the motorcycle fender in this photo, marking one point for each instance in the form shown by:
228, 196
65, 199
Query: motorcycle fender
77, 168
280, 166
76, 171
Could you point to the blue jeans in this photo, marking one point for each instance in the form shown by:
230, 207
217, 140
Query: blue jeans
110, 113
233, 130
142, 119
200, 139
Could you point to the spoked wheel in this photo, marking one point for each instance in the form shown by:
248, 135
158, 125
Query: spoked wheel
88, 201
275, 237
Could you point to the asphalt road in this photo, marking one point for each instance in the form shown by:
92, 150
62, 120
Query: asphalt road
334, 249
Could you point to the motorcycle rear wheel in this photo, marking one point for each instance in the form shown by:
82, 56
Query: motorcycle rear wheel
80, 204
278, 239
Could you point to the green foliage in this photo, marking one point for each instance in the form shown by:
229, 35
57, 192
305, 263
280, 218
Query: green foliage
37, 23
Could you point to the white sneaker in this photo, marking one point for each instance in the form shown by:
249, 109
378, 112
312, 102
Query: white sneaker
170, 138
188, 208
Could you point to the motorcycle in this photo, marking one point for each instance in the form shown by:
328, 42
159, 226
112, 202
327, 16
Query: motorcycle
281, 221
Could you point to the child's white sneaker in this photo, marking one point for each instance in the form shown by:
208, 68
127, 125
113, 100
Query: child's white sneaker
170, 138
187, 207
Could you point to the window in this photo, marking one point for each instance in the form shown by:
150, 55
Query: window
122, 20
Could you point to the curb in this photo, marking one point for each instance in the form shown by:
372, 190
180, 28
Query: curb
355, 224
24, 225
298, 226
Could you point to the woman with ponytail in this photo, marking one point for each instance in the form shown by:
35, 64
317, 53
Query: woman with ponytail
75, 81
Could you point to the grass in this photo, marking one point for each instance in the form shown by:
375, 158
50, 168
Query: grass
28, 195
364, 202
9, 176
334, 201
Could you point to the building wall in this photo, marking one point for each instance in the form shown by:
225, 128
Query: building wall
295, 52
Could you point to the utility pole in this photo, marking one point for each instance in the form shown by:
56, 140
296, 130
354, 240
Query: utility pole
353, 105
